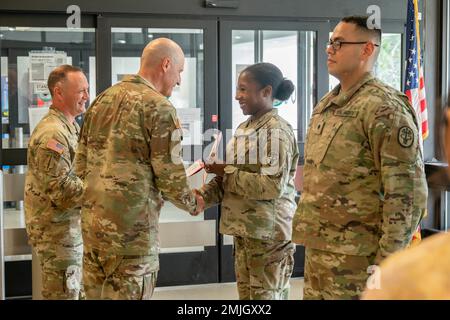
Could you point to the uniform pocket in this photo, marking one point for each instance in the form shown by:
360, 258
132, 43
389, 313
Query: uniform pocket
320, 140
47, 161
279, 267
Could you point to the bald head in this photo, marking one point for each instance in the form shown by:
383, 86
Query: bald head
162, 62
158, 50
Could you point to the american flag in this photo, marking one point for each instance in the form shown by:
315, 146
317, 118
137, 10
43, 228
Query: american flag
414, 82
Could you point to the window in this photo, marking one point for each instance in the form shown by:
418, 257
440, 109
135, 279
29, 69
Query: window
389, 65
188, 98
292, 52
28, 56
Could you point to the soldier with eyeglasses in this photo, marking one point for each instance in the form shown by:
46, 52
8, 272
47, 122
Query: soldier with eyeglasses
364, 183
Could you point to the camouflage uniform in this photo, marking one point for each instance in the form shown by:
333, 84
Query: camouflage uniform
364, 185
421, 272
52, 205
330, 275
258, 203
129, 163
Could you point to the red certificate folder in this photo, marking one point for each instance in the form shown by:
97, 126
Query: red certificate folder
199, 164
194, 168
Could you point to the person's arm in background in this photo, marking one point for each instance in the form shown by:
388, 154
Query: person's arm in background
394, 138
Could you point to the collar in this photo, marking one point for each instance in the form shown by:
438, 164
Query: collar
74, 128
138, 79
258, 123
340, 99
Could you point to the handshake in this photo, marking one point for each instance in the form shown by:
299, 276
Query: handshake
215, 168
218, 170
212, 166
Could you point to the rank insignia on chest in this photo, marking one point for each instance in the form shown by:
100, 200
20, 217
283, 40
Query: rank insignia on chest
54, 145
318, 127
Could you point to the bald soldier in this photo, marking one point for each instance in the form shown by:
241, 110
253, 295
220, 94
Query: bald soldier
53, 191
364, 182
129, 159
418, 273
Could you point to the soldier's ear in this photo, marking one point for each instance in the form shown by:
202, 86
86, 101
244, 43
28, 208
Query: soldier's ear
165, 64
57, 91
368, 50
267, 92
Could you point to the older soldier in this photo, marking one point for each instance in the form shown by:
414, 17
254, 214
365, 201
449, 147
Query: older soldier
422, 272
256, 187
364, 183
129, 161
53, 191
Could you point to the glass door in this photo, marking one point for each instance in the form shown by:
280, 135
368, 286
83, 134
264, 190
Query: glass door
294, 48
189, 252
30, 50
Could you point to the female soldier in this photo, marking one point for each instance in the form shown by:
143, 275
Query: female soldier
256, 186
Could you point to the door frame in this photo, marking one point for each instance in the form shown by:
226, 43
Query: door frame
226, 27
183, 268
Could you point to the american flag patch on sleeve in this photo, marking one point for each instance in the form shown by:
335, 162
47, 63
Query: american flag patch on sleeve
54, 145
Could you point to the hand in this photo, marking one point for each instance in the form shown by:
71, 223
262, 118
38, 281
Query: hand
200, 203
216, 168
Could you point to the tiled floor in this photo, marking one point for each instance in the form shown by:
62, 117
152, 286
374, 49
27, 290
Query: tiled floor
215, 291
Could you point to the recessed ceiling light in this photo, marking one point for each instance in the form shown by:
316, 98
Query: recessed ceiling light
121, 41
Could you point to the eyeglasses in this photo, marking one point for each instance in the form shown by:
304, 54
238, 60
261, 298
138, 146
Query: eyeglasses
337, 44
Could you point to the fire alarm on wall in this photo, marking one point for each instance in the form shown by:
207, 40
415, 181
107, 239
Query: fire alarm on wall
230, 4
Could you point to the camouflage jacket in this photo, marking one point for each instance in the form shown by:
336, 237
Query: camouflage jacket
129, 163
257, 191
52, 190
364, 182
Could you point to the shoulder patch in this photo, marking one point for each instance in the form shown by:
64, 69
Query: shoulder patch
54, 145
406, 137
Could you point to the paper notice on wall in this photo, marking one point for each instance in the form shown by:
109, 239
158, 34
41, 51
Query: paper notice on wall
190, 120
42, 63
40, 87
35, 115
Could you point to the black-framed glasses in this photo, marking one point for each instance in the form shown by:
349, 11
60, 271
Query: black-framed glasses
337, 44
